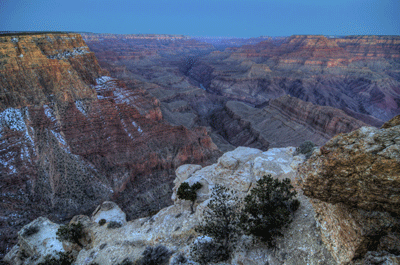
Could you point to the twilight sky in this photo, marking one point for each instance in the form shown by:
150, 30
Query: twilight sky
228, 18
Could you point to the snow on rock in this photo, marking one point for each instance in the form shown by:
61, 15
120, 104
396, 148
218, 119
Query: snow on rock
69, 53
49, 113
80, 105
13, 119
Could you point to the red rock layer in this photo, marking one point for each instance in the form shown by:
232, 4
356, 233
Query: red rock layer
71, 137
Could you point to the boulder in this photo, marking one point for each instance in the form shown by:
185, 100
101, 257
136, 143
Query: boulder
35, 241
109, 211
354, 181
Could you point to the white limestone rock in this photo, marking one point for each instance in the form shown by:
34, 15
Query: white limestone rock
174, 226
109, 211
36, 239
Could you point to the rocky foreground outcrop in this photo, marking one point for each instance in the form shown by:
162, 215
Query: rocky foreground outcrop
355, 182
72, 137
173, 226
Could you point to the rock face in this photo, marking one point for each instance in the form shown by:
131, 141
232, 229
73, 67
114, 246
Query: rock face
283, 122
354, 180
72, 137
194, 81
357, 73
173, 226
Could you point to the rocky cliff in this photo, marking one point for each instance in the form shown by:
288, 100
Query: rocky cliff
359, 73
354, 180
194, 82
173, 227
71, 136
285, 121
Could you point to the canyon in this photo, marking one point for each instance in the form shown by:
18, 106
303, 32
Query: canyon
87, 118
358, 75
71, 136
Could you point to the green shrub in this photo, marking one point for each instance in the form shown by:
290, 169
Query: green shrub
64, 258
33, 229
206, 250
306, 148
221, 223
114, 224
71, 233
187, 192
157, 255
102, 222
268, 208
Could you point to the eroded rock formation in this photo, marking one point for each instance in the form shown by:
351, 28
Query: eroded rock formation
285, 121
173, 226
194, 81
71, 136
354, 180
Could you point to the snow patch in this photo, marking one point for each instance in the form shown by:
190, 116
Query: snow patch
12, 119
49, 113
102, 80
69, 53
80, 105
138, 127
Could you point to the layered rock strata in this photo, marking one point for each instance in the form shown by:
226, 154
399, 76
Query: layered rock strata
360, 73
173, 227
283, 122
194, 87
354, 180
71, 136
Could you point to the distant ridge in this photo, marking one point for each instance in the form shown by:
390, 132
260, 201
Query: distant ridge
10, 33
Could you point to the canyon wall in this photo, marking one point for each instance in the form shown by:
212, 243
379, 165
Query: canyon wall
285, 121
357, 73
71, 136
195, 83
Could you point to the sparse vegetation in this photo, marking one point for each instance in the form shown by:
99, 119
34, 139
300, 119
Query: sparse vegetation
187, 192
179, 259
33, 229
205, 250
265, 212
221, 225
306, 148
114, 224
157, 255
64, 258
72, 233
268, 208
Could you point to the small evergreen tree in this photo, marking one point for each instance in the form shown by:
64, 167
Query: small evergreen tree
268, 208
221, 223
187, 192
